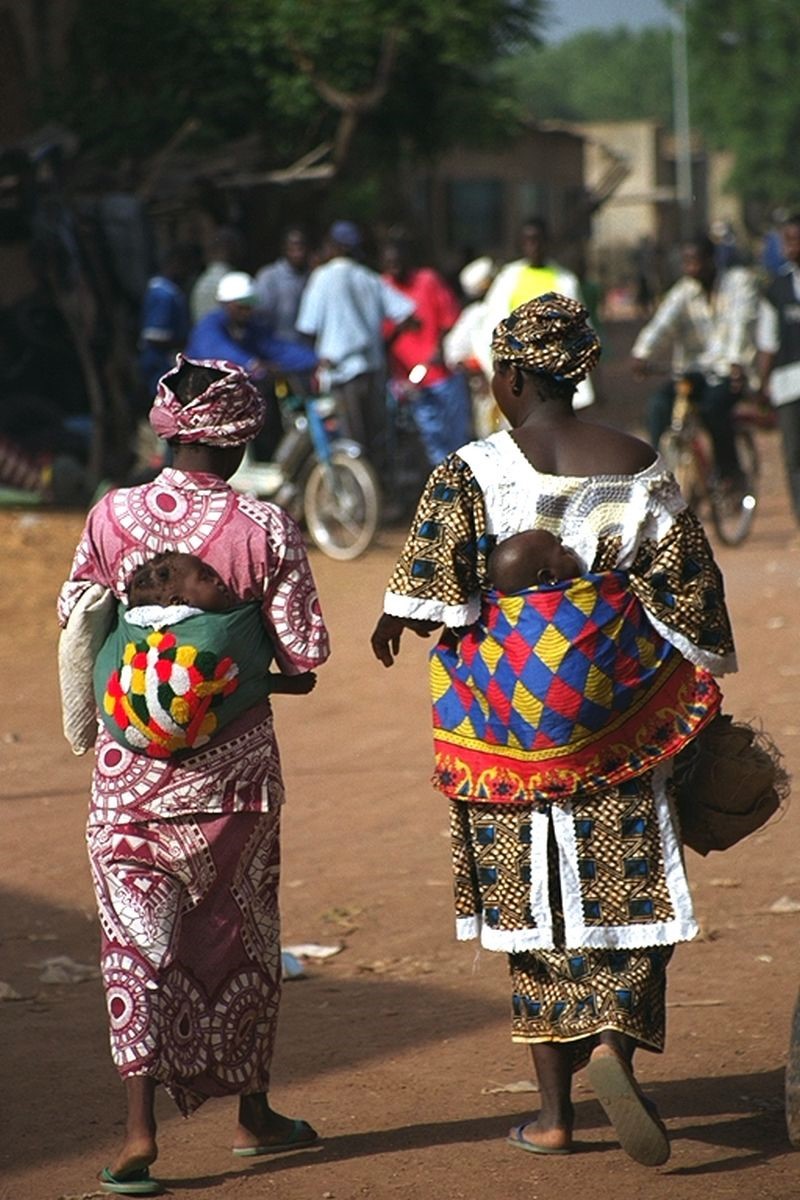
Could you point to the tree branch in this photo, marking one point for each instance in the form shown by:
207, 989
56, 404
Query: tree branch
354, 103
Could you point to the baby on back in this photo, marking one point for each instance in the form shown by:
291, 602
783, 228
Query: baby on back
531, 559
178, 579
184, 659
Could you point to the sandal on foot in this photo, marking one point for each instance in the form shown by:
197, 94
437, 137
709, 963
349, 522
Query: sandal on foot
640, 1130
302, 1135
137, 1182
517, 1138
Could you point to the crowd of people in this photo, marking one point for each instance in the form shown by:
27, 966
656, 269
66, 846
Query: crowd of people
328, 313
324, 316
556, 753
727, 327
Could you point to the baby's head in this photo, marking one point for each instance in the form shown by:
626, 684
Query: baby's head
175, 578
530, 559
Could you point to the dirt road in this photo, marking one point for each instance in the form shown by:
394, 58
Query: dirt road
397, 1048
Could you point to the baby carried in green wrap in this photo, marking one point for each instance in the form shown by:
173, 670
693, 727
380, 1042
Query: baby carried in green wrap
183, 660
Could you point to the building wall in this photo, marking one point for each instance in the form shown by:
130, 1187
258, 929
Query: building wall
477, 199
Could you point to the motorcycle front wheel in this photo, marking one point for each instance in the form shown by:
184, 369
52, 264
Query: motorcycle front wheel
341, 505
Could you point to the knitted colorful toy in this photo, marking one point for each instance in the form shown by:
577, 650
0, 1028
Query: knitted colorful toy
165, 690
163, 696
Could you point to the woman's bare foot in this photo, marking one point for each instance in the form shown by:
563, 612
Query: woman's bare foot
139, 1149
134, 1154
261, 1126
540, 1140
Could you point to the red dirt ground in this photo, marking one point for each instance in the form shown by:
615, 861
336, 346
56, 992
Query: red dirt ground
393, 1049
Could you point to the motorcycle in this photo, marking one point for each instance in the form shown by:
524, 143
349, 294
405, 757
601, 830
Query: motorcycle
320, 477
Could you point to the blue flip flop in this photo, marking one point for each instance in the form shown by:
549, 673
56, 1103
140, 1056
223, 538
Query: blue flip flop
302, 1135
517, 1138
138, 1182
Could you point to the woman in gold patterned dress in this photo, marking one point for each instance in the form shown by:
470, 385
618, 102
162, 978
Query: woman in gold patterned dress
585, 889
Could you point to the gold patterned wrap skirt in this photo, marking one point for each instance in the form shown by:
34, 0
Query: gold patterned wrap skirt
587, 899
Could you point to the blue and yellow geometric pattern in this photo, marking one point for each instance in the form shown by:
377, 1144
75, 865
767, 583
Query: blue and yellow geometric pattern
560, 689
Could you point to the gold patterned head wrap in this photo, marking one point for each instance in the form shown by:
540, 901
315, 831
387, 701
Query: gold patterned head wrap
550, 335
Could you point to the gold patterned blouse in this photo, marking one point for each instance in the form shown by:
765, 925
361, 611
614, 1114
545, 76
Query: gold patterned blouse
639, 523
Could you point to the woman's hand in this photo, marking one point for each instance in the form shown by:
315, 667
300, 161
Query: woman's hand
385, 640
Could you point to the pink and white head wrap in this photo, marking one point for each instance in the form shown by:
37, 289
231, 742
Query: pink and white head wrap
228, 413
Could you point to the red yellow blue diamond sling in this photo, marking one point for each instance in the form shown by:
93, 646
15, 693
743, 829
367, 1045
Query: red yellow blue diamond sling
560, 690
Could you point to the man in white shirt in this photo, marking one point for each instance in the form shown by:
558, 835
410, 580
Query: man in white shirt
707, 321
343, 308
778, 343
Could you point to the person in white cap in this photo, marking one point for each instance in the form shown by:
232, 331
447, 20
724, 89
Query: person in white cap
235, 333
459, 343
462, 346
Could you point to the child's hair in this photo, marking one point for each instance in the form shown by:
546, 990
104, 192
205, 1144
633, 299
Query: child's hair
148, 583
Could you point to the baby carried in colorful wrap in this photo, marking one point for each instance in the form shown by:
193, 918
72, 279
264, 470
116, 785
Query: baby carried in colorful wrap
169, 687
559, 690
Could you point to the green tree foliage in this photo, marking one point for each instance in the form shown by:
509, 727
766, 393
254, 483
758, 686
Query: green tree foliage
743, 57
600, 75
139, 69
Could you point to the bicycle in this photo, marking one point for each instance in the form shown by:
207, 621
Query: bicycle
318, 476
688, 452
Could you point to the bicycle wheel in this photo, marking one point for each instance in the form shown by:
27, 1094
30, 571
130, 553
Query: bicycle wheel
341, 505
677, 449
734, 507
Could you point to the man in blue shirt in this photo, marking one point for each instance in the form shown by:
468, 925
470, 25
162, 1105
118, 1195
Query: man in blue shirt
344, 307
164, 322
232, 331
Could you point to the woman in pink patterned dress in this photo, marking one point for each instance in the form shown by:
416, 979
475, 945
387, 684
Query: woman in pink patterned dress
185, 851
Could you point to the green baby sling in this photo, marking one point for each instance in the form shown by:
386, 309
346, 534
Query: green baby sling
162, 691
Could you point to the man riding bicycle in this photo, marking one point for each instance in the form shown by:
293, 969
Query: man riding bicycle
708, 320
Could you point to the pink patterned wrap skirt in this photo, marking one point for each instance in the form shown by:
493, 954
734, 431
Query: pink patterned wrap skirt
191, 958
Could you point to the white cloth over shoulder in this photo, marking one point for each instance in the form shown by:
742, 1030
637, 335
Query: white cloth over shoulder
78, 645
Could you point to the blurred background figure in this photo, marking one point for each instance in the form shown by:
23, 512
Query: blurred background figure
280, 285
726, 248
165, 321
226, 253
707, 322
440, 400
528, 277
234, 331
778, 342
460, 344
343, 308
772, 257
